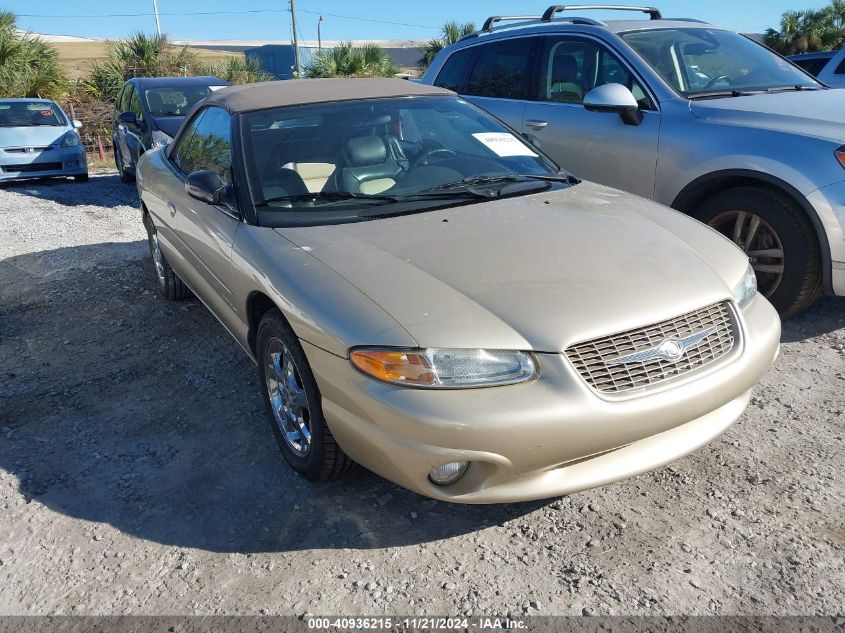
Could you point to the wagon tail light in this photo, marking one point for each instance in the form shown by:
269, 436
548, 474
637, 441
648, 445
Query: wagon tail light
840, 155
445, 368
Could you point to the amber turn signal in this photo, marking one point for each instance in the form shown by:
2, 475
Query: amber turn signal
395, 366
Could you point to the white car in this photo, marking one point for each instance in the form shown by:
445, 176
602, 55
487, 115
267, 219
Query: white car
827, 67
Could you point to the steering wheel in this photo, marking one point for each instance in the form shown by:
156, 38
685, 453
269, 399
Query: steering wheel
713, 82
426, 157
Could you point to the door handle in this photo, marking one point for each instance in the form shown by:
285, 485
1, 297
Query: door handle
172, 208
536, 123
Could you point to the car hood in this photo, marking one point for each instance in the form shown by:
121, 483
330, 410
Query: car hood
32, 136
819, 113
169, 124
535, 272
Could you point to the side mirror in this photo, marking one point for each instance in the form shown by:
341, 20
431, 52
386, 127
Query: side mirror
127, 117
614, 98
206, 186
77, 124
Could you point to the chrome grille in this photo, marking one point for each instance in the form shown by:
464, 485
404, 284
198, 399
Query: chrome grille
594, 359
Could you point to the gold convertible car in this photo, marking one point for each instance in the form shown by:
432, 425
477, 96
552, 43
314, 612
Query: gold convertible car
427, 294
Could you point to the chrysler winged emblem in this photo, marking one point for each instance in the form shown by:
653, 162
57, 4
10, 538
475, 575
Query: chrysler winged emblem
670, 349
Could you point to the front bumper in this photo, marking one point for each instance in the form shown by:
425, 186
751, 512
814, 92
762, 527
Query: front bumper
829, 203
540, 439
54, 162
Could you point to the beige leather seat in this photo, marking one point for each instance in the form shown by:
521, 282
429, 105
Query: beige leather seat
314, 175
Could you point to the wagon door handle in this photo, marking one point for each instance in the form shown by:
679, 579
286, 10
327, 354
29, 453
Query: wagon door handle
536, 123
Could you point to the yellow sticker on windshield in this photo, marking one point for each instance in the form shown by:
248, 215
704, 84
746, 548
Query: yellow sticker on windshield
504, 144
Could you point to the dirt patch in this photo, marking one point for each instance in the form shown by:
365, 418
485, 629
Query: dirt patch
139, 475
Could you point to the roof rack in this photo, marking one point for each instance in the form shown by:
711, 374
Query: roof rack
490, 22
550, 13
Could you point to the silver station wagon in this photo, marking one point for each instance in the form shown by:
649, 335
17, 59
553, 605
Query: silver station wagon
694, 116
428, 295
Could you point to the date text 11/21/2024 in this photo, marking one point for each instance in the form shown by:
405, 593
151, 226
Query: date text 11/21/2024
414, 623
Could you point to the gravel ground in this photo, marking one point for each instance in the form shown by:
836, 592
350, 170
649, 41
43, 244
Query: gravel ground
139, 475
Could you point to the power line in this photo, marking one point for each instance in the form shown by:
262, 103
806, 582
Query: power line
238, 12
352, 17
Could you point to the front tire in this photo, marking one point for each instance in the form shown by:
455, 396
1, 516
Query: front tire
294, 404
125, 176
169, 283
778, 238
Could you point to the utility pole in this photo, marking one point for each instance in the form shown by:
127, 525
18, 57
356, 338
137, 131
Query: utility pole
295, 40
319, 39
158, 24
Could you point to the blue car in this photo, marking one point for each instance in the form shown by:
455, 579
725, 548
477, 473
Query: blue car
148, 113
38, 140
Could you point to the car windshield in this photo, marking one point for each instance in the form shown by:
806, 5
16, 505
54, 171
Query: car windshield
712, 62
309, 160
175, 100
30, 114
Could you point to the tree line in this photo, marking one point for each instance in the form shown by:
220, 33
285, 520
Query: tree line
810, 30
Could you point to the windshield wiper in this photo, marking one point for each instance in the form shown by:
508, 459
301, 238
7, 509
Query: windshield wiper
483, 182
327, 196
715, 94
796, 88
475, 188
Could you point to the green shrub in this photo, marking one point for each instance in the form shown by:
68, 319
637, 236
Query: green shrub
29, 66
346, 60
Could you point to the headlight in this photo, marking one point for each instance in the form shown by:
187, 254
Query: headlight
746, 288
445, 368
71, 139
160, 139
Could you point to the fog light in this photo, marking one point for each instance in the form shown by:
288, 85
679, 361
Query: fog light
447, 473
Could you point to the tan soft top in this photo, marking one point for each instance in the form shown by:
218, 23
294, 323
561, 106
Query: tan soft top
270, 94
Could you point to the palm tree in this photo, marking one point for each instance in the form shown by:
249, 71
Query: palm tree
783, 40
29, 66
140, 55
812, 30
239, 70
346, 60
450, 33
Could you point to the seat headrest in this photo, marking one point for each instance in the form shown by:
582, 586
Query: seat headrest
564, 67
155, 102
365, 150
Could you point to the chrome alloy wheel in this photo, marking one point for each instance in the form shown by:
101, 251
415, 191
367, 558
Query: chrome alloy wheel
288, 399
155, 252
760, 242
